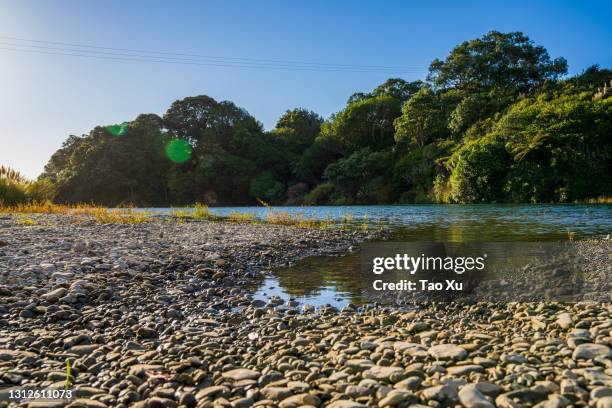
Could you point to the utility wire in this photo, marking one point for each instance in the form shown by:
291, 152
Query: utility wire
193, 59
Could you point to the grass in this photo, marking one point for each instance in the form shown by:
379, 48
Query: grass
121, 216
99, 214
297, 220
25, 220
197, 212
598, 200
241, 218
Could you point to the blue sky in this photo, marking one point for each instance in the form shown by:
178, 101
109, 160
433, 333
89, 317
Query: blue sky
45, 98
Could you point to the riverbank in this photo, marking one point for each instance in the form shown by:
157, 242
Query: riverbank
158, 314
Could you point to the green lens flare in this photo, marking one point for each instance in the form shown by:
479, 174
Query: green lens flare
117, 130
178, 150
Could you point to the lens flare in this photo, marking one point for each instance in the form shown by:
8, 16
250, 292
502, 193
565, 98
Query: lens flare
117, 130
178, 150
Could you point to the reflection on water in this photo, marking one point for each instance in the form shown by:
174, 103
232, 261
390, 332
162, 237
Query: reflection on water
337, 280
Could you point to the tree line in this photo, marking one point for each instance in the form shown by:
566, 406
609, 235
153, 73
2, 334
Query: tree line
495, 121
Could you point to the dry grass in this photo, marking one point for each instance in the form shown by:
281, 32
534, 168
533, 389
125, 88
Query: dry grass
297, 220
36, 208
25, 220
200, 211
241, 218
598, 200
81, 211
121, 216
197, 212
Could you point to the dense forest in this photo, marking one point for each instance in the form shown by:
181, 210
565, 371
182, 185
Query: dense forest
496, 121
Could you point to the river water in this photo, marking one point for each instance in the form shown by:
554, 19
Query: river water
332, 280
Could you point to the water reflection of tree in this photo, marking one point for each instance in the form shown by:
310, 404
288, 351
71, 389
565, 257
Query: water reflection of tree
310, 276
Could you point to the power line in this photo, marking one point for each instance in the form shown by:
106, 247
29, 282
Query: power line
126, 54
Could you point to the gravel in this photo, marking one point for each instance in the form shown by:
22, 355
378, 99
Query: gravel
162, 315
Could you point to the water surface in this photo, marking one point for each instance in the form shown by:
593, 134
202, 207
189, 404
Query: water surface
335, 280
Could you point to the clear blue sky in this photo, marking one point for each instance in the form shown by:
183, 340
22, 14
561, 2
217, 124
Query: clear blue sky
44, 98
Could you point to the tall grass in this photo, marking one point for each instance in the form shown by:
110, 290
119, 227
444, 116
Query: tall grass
15, 188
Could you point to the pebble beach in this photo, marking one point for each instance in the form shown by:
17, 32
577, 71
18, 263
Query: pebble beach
162, 314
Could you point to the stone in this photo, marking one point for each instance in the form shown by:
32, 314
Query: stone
565, 321
605, 402
299, 400
381, 373
588, 351
346, 404
471, 397
447, 352
396, 397
275, 393
86, 403
239, 374
464, 369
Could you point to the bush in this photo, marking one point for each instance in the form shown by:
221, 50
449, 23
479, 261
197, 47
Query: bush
480, 172
321, 194
265, 187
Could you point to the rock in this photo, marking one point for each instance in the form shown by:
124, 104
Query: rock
241, 374
86, 403
83, 350
299, 400
275, 393
140, 370
12, 355
146, 333
382, 373
605, 402
471, 397
554, 401
565, 321
600, 392
158, 402
447, 352
212, 392
440, 393
396, 397
529, 395
464, 369
588, 351
410, 383
188, 400
346, 404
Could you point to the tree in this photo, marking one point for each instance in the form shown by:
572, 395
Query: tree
354, 174
304, 126
398, 88
422, 120
203, 121
368, 122
507, 61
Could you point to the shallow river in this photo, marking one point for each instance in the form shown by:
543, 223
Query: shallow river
332, 280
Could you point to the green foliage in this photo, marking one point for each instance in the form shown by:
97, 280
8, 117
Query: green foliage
265, 187
321, 194
493, 123
367, 122
504, 61
479, 174
16, 189
422, 120
415, 171
353, 175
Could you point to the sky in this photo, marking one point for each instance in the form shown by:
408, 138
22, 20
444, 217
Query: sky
45, 97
